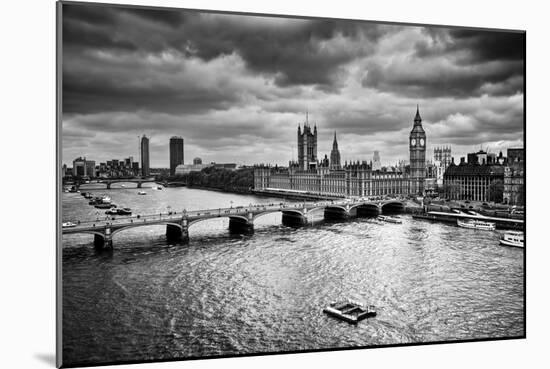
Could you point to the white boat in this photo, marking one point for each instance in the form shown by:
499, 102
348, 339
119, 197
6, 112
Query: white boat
68, 224
142, 193
476, 224
106, 200
512, 238
385, 218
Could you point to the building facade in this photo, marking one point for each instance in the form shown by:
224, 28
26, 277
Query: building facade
443, 156
145, 169
474, 182
176, 153
83, 168
376, 164
307, 146
514, 178
353, 179
118, 168
417, 154
332, 178
335, 155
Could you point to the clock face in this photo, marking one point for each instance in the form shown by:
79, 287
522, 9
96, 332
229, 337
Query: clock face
421, 142
413, 142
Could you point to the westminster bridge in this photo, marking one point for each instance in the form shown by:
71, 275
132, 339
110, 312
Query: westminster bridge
241, 219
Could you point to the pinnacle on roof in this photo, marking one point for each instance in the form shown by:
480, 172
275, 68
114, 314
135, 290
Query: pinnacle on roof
417, 118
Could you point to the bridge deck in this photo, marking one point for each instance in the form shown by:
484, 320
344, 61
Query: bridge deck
194, 215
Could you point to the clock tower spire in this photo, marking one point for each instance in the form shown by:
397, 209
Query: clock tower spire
417, 152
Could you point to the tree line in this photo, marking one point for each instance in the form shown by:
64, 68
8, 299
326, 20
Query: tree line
239, 180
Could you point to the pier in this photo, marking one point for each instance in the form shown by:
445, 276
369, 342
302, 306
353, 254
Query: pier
451, 217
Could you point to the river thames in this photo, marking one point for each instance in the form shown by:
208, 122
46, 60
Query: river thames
224, 294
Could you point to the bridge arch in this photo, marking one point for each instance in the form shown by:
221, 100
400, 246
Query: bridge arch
145, 224
96, 233
336, 212
295, 211
229, 216
392, 207
365, 209
266, 213
317, 208
293, 217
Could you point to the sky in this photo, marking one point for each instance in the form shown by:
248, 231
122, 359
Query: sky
236, 87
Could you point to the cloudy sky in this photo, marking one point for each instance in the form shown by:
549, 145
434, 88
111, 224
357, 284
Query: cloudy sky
236, 87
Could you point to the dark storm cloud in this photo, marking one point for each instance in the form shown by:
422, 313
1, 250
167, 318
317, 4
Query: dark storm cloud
296, 54
237, 86
488, 46
454, 62
291, 52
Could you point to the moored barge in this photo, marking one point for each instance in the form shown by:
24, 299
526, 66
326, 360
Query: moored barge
350, 311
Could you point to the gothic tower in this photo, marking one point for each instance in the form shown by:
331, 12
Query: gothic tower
417, 151
335, 155
307, 146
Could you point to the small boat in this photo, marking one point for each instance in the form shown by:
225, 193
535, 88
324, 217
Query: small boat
476, 224
68, 224
104, 206
142, 193
350, 311
388, 219
95, 201
106, 200
124, 211
512, 238
111, 211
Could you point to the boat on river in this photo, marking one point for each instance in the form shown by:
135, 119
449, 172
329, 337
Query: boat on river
104, 206
513, 238
350, 311
388, 219
142, 193
124, 211
476, 224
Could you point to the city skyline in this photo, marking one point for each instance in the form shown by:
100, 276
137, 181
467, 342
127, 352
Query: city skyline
430, 156
239, 95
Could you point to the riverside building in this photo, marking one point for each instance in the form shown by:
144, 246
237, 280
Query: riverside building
328, 177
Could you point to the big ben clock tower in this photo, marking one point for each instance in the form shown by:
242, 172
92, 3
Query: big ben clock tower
417, 150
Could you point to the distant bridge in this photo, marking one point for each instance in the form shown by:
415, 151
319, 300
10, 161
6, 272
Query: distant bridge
241, 219
109, 182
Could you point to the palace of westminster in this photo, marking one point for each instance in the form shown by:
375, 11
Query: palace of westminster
330, 178
473, 179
